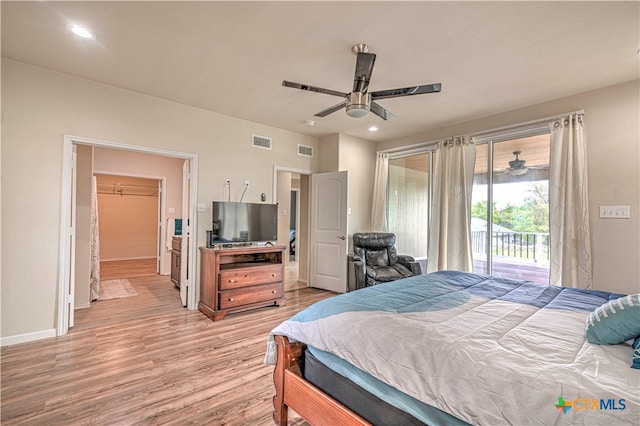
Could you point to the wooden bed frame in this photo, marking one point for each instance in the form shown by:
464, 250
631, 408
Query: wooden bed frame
293, 391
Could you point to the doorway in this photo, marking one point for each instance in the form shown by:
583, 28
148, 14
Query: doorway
291, 192
294, 218
129, 213
67, 275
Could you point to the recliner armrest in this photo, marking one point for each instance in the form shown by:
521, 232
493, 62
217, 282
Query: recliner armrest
356, 273
410, 263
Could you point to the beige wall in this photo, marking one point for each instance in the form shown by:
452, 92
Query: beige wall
128, 221
358, 157
39, 107
329, 154
613, 140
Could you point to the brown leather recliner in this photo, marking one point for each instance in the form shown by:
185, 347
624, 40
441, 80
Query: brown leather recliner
376, 260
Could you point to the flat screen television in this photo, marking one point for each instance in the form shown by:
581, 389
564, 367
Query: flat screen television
237, 223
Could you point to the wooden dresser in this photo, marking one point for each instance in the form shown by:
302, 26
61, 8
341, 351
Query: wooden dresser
239, 279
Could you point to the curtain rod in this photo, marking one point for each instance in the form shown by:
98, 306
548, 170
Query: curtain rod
478, 134
410, 147
526, 123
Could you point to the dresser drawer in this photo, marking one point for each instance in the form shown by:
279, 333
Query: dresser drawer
261, 293
244, 277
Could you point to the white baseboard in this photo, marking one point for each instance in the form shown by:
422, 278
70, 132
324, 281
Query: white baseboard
27, 337
83, 306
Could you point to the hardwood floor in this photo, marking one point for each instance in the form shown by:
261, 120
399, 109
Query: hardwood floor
291, 281
117, 269
146, 360
156, 296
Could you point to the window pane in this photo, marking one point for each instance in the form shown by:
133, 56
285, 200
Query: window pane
407, 203
521, 209
515, 244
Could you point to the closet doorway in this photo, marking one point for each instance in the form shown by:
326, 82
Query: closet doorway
129, 214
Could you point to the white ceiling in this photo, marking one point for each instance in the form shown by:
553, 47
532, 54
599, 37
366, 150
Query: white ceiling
231, 57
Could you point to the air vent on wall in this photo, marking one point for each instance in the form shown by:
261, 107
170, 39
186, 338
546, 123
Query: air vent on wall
261, 142
306, 151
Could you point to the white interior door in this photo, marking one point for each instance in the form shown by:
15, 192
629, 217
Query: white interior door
328, 231
72, 238
186, 231
161, 229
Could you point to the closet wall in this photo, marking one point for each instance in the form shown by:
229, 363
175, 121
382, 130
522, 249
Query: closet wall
128, 217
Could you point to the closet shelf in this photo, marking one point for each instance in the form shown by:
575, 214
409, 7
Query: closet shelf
119, 189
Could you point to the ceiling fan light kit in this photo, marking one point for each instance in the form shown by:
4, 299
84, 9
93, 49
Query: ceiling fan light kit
360, 101
358, 104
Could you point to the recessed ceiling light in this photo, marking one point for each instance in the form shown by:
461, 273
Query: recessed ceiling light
373, 128
81, 32
309, 122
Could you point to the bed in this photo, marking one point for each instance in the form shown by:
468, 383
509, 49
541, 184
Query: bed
458, 348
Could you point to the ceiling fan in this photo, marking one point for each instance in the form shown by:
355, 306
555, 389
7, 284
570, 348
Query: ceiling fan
360, 101
517, 166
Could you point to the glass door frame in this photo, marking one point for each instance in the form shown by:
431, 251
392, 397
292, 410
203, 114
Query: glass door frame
490, 141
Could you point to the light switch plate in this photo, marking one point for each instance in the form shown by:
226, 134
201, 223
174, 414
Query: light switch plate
615, 212
202, 207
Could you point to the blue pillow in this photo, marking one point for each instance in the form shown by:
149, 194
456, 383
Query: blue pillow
635, 361
615, 322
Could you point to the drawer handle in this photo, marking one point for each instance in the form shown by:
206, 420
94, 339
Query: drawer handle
274, 275
231, 299
232, 281
274, 291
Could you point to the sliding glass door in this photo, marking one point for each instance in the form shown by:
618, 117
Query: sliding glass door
510, 208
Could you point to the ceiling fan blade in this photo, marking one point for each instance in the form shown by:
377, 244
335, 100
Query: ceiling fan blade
306, 87
380, 111
538, 167
364, 68
334, 108
406, 91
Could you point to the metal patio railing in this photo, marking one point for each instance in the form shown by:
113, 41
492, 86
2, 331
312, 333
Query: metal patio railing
532, 246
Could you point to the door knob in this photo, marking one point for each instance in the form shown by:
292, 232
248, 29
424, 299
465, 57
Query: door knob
342, 237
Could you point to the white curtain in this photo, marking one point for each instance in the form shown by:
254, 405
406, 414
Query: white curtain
570, 240
379, 202
450, 226
95, 244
